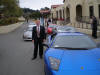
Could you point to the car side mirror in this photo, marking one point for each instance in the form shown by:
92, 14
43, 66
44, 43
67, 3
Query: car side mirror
98, 45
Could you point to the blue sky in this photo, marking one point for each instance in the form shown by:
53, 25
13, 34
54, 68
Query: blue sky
37, 4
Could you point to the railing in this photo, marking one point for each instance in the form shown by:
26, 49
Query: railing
85, 22
83, 19
66, 21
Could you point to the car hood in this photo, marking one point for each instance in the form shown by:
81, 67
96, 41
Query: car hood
80, 62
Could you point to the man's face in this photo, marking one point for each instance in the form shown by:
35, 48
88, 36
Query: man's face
38, 23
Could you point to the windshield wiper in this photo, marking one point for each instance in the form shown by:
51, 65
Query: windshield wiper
69, 48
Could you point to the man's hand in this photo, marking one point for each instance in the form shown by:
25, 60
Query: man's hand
33, 41
44, 40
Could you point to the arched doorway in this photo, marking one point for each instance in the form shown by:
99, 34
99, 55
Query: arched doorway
79, 11
67, 14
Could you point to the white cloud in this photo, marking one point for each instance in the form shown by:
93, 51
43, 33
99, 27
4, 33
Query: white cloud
37, 4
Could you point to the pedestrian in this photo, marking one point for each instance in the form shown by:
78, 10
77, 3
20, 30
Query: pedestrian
94, 27
38, 37
49, 21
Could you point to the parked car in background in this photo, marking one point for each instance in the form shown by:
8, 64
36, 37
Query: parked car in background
28, 33
66, 29
51, 28
72, 54
31, 24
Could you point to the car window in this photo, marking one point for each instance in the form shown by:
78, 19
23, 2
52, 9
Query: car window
65, 28
52, 26
77, 42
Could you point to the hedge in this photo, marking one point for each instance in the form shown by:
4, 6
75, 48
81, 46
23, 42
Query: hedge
7, 21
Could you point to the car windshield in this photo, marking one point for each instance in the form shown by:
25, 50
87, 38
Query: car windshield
52, 26
73, 42
65, 28
29, 28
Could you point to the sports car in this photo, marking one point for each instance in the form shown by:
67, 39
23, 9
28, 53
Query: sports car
72, 54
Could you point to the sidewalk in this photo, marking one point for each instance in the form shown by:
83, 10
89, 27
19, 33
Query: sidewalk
9, 28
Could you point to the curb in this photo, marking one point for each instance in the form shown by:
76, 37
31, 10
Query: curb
9, 28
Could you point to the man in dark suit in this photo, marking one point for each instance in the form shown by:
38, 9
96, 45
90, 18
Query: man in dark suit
94, 27
38, 37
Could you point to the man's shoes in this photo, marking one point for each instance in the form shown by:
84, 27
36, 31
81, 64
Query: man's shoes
41, 57
33, 58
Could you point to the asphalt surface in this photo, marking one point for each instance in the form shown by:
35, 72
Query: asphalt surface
16, 54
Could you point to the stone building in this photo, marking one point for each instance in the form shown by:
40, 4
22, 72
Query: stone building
77, 10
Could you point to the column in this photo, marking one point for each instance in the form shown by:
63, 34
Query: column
96, 10
73, 13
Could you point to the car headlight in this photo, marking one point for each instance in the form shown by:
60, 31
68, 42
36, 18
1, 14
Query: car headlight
54, 63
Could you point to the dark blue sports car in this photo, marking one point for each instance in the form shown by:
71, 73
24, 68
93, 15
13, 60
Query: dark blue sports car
72, 54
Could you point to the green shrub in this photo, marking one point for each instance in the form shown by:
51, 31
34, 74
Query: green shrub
7, 21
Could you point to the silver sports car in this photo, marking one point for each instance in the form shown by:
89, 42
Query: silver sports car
28, 33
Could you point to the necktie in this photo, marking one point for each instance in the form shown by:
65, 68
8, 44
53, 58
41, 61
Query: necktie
38, 32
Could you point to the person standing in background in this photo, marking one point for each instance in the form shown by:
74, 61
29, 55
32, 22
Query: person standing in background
38, 37
94, 27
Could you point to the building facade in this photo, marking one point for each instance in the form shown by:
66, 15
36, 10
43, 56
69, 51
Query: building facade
78, 10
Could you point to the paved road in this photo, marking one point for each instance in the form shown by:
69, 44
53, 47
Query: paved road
16, 54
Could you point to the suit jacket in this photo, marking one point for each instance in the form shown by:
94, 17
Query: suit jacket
42, 33
94, 24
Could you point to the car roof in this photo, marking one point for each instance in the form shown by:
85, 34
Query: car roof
70, 33
31, 25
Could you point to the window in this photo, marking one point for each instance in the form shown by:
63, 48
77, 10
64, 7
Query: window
91, 9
